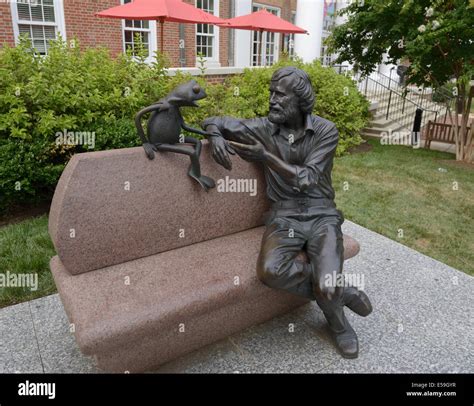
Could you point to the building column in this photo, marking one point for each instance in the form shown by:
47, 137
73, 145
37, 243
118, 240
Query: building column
242, 41
309, 15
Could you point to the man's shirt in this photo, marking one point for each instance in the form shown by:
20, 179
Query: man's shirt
311, 153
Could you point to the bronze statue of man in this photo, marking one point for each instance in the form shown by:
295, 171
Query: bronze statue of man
296, 149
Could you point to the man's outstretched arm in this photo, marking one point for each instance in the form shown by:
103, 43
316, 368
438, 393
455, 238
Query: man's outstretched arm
257, 152
222, 129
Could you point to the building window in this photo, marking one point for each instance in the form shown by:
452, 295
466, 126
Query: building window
329, 19
207, 35
40, 21
269, 40
326, 58
134, 32
329, 22
289, 45
139, 31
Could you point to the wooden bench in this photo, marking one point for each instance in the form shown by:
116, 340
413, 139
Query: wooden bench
149, 265
440, 132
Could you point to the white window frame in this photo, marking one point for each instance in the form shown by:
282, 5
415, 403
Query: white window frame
58, 16
276, 48
213, 62
152, 37
291, 37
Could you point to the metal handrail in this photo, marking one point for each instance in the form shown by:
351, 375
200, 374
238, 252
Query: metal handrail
445, 93
391, 90
400, 99
389, 87
400, 96
341, 68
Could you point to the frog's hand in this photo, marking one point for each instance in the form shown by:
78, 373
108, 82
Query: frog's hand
163, 105
194, 130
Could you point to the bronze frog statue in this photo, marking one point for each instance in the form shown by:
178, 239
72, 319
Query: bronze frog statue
166, 123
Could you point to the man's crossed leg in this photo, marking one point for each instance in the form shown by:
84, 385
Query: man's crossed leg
321, 237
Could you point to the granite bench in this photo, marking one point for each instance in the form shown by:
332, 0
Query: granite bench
149, 266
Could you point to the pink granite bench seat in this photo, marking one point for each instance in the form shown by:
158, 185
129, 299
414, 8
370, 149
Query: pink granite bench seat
140, 295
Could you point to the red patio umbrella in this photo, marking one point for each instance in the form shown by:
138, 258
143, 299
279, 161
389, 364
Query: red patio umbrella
161, 10
262, 21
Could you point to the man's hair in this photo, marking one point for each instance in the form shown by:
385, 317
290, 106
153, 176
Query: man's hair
301, 86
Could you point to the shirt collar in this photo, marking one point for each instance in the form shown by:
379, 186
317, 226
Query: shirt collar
308, 128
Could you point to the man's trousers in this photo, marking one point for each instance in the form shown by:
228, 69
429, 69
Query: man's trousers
317, 230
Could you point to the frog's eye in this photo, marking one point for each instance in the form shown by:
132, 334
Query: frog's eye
196, 89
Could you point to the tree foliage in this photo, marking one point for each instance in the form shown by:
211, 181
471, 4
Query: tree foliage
435, 37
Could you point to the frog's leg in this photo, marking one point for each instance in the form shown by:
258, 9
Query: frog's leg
187, 150
195, 168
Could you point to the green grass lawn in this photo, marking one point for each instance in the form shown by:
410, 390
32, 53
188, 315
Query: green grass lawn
396, 188
390, 188
26, 248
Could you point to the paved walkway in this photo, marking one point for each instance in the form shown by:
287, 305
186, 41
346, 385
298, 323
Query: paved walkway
422, 323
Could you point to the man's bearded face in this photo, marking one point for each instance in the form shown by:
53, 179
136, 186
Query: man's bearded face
284, 104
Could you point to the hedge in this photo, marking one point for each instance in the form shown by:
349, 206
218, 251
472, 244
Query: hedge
76, 90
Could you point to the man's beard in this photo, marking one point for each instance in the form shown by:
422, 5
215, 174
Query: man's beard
284, 115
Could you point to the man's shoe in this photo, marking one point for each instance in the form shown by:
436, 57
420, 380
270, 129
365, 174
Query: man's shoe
357, 300
346, 342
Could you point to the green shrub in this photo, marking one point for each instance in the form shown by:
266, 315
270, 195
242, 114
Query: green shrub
338, 100
27, 173
67, 90
76, 90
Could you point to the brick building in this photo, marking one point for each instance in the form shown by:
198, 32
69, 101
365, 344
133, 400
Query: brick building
42, 20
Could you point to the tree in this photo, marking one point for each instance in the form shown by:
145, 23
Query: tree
436, 37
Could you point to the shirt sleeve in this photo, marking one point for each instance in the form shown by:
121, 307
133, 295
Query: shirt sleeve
234, 129
318, 161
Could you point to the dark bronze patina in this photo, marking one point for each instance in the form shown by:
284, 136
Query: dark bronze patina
296, 149
165, 125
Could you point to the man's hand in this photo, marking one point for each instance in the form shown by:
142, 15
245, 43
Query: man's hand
221, 150
250, 152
